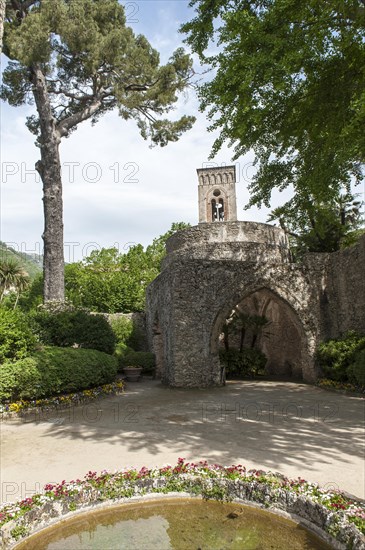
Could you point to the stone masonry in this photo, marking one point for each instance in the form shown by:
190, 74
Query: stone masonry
212, 268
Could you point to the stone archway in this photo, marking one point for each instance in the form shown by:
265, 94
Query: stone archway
209, 270
285, 341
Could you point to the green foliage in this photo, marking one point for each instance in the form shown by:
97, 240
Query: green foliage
109, 281
19, 379
33, 296
122, 328
55, 370
157, 251
356, 371
320, 226
288, 81
244, 361
248, 362
19, 532
16, 338
337, 355
245, 326
31, 263
142, 359
128, 334
13, 278
74, 328
76, 60
92, 63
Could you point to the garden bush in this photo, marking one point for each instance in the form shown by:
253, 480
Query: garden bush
356, 371
142, 359
128, 334
74, 328
248, 362
337, 355
19, 379
16, 337
54, 370
122, 328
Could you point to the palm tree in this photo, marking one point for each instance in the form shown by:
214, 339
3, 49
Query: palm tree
22, 284
246, 322
12, 276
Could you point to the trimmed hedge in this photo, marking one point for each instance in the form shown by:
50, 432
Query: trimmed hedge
16, 337
69, 328
55, 370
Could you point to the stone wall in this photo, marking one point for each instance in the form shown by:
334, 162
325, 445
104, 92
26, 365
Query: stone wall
208, 271
342, 296
212, 268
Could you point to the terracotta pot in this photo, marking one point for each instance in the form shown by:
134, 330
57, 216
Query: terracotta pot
132, 374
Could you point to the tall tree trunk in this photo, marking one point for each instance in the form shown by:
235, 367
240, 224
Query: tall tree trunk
2, 18
254, 339
49, 168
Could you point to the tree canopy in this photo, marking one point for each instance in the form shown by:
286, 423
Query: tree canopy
110, 281
288, 81
77, 60
91, 63
320, 226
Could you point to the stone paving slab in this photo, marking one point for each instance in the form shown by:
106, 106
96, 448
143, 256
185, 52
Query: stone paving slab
296, 429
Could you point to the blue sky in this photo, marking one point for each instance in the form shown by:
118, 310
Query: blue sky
117, 191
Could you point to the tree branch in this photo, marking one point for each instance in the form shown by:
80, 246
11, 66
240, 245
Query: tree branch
146, 114
136, 88
65, 125
64, 92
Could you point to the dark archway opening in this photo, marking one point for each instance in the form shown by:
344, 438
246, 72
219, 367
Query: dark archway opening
261, 335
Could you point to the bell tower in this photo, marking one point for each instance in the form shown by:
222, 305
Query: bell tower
217, 194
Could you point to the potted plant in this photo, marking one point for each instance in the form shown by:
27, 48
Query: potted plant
132, 373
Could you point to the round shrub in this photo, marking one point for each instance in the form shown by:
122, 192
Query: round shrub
16, 338
53, 370
75, 328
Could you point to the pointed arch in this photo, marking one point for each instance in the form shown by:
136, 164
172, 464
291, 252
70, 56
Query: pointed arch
291, 349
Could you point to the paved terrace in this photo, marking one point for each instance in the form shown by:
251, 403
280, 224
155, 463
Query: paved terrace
296, 429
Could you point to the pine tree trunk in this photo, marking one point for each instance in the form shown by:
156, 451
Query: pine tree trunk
2, 18
49, 168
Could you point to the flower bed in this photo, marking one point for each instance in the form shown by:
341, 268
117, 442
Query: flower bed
328, 384
330, 512
60, 401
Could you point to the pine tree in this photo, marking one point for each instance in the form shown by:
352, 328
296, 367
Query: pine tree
77, 60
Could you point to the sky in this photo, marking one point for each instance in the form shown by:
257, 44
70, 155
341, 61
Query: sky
117, 191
